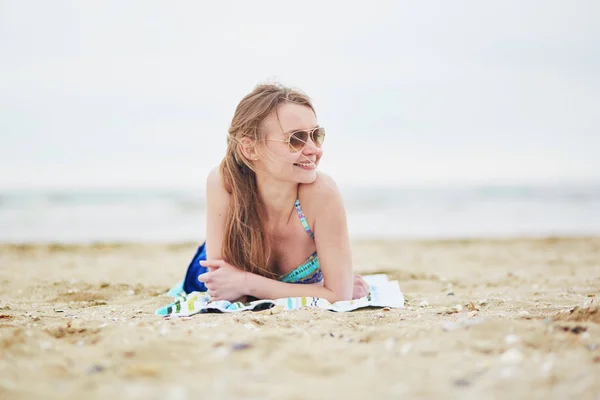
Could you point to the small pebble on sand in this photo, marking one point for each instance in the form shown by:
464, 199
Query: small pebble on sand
512, 356
511, 339
406, 348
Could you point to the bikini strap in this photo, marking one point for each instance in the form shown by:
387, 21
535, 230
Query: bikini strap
303, 219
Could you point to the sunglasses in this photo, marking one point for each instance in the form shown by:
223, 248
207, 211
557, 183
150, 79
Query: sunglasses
298, 139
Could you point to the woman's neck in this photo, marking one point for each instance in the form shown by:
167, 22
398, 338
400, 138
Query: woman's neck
278, 197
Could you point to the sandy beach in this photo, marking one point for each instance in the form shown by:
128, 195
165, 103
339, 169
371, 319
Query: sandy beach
511, 318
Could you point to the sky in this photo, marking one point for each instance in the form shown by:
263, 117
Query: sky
141, 93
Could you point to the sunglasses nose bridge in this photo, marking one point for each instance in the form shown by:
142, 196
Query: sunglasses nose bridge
310, 142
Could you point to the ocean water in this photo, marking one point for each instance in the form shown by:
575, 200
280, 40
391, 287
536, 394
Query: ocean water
434, 212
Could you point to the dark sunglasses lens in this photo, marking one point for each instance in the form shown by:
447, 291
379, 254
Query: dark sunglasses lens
298, 140
318, 136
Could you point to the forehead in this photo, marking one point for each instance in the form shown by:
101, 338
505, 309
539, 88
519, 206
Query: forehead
291, 117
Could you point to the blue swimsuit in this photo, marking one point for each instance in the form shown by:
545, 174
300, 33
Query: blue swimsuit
308, 272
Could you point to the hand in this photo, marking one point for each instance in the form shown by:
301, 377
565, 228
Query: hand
361, 288
223, 281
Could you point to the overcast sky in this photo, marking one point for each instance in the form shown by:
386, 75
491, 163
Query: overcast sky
140, 93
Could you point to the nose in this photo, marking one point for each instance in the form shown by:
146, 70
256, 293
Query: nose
310, 147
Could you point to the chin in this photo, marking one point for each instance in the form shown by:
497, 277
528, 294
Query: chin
308, 177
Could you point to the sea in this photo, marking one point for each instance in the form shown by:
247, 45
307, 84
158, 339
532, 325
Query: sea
373, 212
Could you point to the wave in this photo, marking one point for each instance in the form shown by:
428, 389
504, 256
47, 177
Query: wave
373, 211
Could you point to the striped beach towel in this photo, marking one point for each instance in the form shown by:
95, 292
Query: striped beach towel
383, 293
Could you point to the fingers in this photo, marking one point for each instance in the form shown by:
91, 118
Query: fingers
358, 294
213, 295
362, 282
359, 291
205, 277
361, 288
211, 263
358, 280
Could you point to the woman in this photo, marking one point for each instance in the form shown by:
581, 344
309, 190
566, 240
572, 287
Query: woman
276, 227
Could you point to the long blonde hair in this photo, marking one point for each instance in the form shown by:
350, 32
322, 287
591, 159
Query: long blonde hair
245, 243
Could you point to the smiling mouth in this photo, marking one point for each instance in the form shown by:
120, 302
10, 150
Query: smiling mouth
309, 164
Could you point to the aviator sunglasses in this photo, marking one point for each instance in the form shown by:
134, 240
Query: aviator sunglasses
298, 139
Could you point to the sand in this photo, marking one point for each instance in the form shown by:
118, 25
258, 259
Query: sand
511, 318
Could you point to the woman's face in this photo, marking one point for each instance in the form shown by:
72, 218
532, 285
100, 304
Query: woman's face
276, 158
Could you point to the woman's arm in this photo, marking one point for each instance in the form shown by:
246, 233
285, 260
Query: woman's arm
227, 282
323, 200
217, 207
265, 288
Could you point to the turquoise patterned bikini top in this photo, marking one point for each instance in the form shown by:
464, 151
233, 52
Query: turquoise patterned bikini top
310, 270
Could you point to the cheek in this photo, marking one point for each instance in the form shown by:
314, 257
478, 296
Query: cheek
287, 159
280, 163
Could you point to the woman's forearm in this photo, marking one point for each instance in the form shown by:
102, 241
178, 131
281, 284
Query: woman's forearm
265, 288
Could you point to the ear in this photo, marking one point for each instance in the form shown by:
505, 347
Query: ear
248, 147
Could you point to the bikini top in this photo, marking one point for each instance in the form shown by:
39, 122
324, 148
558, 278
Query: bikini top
310, 270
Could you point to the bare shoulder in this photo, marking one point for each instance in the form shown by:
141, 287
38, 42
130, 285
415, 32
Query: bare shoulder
214, 179
320, 193
215, 187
